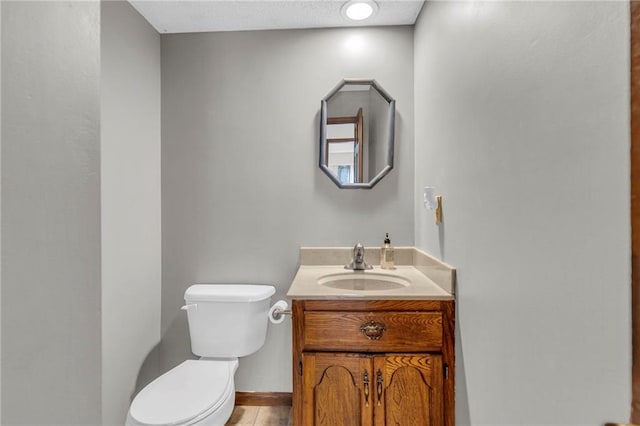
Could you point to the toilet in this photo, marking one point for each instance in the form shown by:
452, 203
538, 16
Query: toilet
226, 321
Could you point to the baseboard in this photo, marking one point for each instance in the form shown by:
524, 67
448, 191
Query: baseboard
620, 424
263, 398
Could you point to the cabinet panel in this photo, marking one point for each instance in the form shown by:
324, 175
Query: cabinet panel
412, 390
397, 331
336, 390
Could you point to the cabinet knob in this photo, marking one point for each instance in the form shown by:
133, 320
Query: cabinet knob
373, 330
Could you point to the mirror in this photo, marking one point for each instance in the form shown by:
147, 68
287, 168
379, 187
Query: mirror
357, 120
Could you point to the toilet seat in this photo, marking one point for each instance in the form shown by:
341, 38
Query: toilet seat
186, 394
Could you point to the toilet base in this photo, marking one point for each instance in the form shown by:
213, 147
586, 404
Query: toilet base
220, 416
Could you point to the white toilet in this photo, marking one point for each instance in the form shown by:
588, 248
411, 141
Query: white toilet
226, 321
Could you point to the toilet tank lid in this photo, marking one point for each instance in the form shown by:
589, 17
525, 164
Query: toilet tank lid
228, 292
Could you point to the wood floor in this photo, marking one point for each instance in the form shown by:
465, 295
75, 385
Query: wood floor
247, 415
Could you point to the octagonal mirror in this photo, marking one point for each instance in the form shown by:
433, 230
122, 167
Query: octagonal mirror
357, 125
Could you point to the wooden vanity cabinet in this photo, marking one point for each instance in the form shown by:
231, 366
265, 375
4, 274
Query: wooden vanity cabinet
373, 362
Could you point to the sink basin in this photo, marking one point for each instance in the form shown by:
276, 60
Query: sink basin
363, 281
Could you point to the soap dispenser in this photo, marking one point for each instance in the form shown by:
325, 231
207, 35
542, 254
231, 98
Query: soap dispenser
387, 255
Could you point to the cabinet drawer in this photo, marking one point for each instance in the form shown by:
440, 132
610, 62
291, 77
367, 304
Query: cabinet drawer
387, 331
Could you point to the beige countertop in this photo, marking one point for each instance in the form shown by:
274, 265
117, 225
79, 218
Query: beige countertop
424, 276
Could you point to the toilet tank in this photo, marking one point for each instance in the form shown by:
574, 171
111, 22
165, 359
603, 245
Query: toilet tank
227, 320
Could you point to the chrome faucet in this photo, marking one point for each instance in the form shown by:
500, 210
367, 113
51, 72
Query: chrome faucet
357, 264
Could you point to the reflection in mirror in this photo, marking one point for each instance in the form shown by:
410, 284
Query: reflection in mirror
344, 147
357, 134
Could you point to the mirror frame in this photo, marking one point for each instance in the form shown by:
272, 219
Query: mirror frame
391, 116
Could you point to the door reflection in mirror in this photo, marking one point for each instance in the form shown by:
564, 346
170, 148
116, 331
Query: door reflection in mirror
344, 149
357, 132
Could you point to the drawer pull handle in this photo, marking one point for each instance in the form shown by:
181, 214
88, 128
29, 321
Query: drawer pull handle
379, 385
366, 388
373, 330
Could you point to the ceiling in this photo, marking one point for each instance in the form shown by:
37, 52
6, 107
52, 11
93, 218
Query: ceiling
188, 16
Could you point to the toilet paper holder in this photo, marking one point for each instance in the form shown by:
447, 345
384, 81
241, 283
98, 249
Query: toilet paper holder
278, 313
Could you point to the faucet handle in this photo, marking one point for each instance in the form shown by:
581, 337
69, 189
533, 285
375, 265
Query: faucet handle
358, 264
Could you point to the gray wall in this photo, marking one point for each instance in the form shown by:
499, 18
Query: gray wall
241, 187
130, 194
0, 216
522, 123
50, 213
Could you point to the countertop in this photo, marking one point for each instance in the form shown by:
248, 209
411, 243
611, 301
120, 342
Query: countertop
429, 278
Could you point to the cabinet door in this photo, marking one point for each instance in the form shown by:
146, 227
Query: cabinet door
337, 389
408, 390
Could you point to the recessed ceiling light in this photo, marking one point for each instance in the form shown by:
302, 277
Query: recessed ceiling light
357, 10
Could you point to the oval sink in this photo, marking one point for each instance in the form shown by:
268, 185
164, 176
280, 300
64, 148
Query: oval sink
363, 281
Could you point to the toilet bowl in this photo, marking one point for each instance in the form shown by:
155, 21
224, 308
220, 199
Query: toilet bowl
225, 322
198, 392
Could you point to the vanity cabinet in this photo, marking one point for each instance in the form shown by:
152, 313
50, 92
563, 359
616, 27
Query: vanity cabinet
373, 362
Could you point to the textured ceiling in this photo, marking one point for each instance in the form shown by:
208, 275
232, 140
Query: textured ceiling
183, 16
